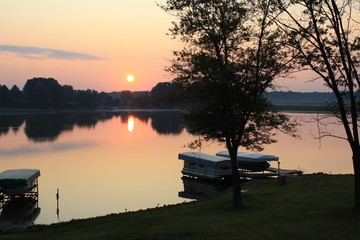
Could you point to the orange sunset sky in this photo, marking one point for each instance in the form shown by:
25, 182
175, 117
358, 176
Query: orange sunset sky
93, 44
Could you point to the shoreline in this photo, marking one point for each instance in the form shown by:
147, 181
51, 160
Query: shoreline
40, 111
52, 111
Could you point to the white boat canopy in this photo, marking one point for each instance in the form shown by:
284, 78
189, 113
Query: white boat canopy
249, 157
204, 159
18, 177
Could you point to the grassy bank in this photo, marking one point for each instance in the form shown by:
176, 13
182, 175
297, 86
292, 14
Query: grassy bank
309, 207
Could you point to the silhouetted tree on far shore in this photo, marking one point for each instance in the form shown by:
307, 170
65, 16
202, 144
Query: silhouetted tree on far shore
165, 94
5, 97
44, 93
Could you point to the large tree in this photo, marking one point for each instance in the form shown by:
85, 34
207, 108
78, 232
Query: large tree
5, 97
165, 94
325, 35
17, 97
44, 93
229, 60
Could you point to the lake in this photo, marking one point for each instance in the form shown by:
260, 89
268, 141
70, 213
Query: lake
111, 162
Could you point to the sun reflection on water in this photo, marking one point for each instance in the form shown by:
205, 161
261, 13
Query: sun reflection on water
130, 124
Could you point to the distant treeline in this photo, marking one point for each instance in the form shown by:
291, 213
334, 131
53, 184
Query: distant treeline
300, 97
47, 93
301, 101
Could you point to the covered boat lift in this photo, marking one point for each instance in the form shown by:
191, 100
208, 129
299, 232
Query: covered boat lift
205, 166
249, 157
255, 162
18, 184
218, 167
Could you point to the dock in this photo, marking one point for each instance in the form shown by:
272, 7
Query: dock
269, 172
284, 172
218, 167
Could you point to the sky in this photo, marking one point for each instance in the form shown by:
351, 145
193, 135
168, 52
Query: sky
94, 44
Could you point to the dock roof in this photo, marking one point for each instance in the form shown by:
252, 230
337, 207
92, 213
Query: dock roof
205, 159
249, 157
18, 177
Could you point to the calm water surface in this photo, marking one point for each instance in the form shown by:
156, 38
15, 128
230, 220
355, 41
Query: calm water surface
111, 162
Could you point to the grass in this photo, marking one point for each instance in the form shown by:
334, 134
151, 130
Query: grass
308, 207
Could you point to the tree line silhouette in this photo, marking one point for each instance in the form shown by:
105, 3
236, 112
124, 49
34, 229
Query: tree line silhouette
47, 93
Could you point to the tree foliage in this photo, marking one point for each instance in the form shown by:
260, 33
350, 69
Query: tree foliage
231, 57
87, 99
165, 94
17, 97
47, 93
5, 97
44, 93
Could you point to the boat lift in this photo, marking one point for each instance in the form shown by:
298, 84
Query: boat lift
19, 184
218, 167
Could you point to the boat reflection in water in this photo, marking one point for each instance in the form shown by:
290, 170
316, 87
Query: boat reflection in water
198, 189
19, 214
18, 199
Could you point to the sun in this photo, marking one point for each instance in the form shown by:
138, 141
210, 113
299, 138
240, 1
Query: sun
130, 78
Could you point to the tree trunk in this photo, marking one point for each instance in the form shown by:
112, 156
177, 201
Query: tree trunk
237, 202
356, 163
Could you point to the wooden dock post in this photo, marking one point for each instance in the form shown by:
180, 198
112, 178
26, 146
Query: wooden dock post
281, 179
57, 204
278, 168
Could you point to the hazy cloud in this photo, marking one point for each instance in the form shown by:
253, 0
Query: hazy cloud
43, 53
